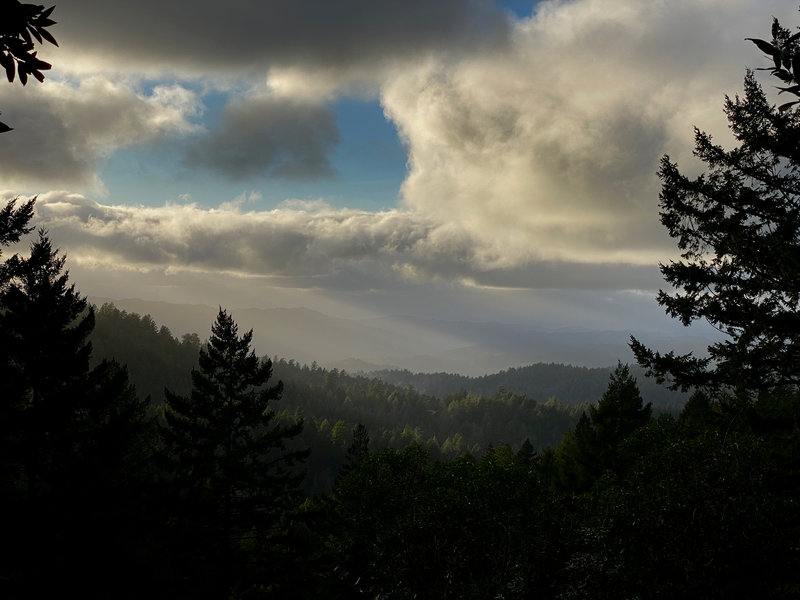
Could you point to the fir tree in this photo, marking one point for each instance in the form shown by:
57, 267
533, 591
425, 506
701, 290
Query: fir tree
738, 227
356, 452
44, 363
73, 439
13, 225
230, 462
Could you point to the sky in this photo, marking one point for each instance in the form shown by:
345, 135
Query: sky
450, 159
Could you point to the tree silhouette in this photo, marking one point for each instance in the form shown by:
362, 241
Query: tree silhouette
68, 437
13, 225
229, 460
738, 227
20, 24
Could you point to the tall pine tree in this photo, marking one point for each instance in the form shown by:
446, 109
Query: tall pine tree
738, 227
229, 461
71, 439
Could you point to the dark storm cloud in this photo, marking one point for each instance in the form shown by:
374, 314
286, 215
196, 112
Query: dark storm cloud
238, 34
62, 130
268, 137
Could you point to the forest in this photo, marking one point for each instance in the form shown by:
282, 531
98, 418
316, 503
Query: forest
134, 464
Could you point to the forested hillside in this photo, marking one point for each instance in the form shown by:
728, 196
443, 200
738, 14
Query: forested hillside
569, 384
334, 402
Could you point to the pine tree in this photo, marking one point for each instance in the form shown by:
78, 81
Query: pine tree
356, 452
229, 460
13, 225
594, 446
618, 414
44, 363
72, 439
738, 227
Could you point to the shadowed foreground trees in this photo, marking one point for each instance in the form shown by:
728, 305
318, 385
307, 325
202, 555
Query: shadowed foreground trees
72, 440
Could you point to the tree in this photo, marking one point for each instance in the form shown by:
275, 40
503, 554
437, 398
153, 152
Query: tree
229, 460
594, 446
356, 452
44, 326
72, 440
19, 25
738, 227
619, 413
13, 225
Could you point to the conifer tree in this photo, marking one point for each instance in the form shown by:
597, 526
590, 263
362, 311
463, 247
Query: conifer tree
44, 362
618, 414
738, 227
230, 462
356, 452
593, 447
13, 225
71, 438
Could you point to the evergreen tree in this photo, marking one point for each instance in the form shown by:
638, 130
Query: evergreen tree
72, 440
738, 227
44, 364
230, 461
594, 446
357, 451
13, 225
618, 414
526, 455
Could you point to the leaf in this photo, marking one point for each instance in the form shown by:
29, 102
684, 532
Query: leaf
35, 34
5, 128
796, 65
46, 35
765, 47
792, 90
23, 73
47, 12
10, 69
783, 75
38, 75
788, 105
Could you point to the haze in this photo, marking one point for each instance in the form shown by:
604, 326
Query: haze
456, 160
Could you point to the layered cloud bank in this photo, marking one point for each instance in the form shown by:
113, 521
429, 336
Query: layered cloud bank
532, 143
306, 245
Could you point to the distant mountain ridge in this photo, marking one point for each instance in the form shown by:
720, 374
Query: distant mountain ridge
413, 344
541, 381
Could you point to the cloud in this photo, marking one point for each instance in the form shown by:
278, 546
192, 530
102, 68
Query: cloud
546, 152
62, 129
532, 145
268, 136
206, 36
302, 246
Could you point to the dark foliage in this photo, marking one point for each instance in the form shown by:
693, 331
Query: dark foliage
13, 225
73, 441
231, 474
20, 24
571, 385
155, 358
738, 227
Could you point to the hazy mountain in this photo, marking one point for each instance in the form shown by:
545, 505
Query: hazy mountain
419, 345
